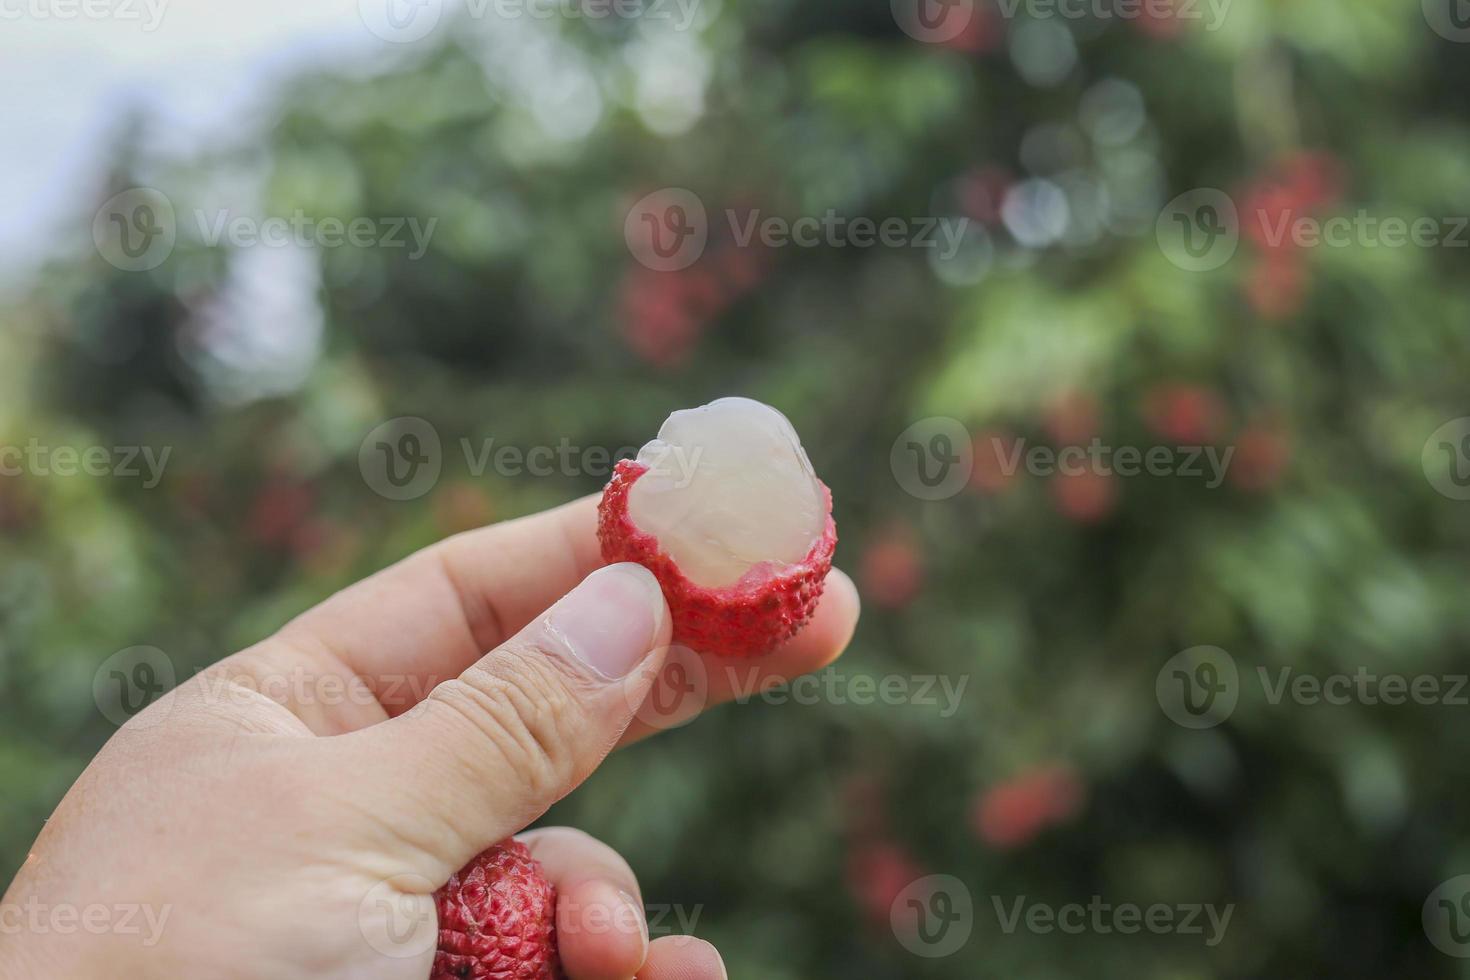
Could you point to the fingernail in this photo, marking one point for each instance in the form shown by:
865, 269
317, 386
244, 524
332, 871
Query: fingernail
634, 908
612, 620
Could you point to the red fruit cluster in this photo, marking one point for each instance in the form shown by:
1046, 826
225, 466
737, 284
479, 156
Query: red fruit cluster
1084, 496
1161, 20
497, 919
281, 510
993, 451
1262, 452
981, 193
665, 313
1013, 812
878, 871
892, 569
1187, 414
1296, 187
748, 619
1072, 417
879, 868
983, 31
20, 506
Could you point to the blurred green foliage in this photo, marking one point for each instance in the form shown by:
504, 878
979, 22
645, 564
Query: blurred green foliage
790, 827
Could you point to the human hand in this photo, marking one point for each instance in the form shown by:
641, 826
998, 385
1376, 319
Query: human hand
285, 812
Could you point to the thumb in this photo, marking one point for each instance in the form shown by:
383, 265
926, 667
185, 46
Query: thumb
487, 753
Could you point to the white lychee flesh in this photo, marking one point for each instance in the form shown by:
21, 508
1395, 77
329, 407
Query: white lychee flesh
728, 487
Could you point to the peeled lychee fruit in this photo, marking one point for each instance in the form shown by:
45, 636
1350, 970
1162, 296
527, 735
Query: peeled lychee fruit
725, 510
497, 919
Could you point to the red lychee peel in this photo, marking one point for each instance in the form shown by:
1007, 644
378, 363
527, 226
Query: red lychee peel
497, 919
768, 606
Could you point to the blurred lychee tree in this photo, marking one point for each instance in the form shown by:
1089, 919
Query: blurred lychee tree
1061, 317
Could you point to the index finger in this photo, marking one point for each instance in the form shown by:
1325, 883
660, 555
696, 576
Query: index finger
429, 617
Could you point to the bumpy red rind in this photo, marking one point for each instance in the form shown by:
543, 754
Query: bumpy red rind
497, 919
768, 606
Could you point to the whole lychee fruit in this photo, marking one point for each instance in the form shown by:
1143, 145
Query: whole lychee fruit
725, 510
497, 919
